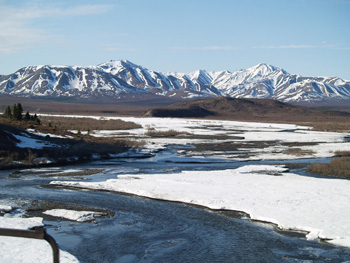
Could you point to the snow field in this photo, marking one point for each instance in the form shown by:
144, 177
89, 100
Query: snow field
327, 142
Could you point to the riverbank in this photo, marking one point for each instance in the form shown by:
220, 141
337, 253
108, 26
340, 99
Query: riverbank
58, 142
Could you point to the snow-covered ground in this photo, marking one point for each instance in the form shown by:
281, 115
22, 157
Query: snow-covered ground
16, 249
28, 142
46, 134
325, 143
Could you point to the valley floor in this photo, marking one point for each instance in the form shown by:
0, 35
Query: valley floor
256, 168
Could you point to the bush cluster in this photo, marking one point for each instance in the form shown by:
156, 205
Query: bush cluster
85, 124
168, 133
338, 167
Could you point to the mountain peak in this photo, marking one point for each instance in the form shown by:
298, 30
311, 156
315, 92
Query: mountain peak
119, 63
115, 66
202, 76
265, 66
262, 70
128, 64
199, 72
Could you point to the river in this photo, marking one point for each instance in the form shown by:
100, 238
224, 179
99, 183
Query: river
146, 230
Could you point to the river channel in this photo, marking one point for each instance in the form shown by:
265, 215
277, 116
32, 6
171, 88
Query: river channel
145, 230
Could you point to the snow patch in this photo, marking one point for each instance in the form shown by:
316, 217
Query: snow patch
79, 216
28, 142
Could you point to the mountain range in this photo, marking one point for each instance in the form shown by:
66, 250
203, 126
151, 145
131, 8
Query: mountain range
123, 79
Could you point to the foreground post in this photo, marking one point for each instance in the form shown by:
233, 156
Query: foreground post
36, 233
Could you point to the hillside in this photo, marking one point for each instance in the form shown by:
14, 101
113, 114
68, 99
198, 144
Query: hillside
247, 109
24, 144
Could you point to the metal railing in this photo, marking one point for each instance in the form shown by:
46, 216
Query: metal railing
36, 233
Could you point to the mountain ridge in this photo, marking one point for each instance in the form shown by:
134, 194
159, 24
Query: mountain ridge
118, 79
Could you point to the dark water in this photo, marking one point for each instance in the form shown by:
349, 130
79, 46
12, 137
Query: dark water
144, 230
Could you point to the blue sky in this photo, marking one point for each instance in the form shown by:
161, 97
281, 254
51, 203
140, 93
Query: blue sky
306, 37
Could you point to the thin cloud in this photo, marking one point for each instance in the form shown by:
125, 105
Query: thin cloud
216, 48
16, 32
81, 10
180, 48
35, 11
289, 46
324, 45
15, 36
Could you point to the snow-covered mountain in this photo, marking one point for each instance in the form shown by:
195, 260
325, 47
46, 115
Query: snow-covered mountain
118, 79
57, 81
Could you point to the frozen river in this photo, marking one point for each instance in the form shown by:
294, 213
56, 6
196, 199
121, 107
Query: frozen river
135, 228
145, 230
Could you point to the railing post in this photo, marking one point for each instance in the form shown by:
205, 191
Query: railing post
36, 233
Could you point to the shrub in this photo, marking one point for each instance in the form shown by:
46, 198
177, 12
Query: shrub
334, 126
338, 167
64, 124
27, 116
299, 152
169, 133
342, 153
8, 112
30, 157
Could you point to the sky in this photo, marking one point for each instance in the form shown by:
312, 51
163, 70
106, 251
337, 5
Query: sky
305, 37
